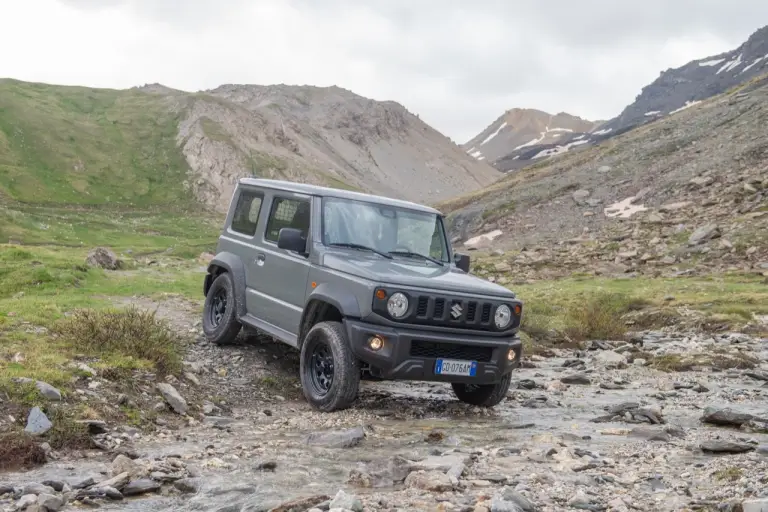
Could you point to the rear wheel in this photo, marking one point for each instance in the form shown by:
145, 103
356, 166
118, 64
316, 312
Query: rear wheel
220, 324
483, 395
330, 373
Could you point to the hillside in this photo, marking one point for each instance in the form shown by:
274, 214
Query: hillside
153, 146
520, 135
673, 91
686, 190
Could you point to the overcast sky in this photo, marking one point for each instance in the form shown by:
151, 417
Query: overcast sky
459, 64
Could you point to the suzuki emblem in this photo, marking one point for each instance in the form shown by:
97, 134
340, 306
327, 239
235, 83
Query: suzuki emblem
456, 310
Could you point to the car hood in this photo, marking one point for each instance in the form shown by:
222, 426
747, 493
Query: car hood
411, 272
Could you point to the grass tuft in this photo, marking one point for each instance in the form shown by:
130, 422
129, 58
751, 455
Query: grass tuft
599, 317
20, 451
131, 333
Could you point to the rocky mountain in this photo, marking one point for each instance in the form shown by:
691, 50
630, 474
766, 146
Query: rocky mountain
83, 145
322, 135
680, 88
688, 190
673, 91
520, 135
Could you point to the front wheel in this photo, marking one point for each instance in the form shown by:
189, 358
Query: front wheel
483, 395
220, 324
330, 373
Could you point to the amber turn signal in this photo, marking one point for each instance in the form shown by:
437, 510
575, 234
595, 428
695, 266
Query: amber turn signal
381, 294
518, 309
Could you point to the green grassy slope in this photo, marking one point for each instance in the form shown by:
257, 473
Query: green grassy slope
76, 145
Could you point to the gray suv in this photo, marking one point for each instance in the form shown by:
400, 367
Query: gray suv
361, 285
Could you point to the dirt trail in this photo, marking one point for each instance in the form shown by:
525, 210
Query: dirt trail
589, 430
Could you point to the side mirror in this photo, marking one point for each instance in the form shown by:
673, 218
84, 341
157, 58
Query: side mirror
462, 261
292, 239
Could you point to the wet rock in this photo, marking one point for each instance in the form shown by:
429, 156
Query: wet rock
576, 378
378, 474
757, 374
434, 481
123, 464
112, 493
35, 488
509, 500
188, 485
611, 359
56, 485
104, 258
442, 463
174, 399
657, 433
37, 422
725, 417
26, 500
141, 486
118, 481
5, 489
301, 503
85, 483
337, 438
49, 502
716, 446
346, 501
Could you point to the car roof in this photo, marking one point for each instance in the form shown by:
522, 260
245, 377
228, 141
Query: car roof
316, 190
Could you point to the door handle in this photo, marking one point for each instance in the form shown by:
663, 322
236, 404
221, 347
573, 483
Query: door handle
260, 258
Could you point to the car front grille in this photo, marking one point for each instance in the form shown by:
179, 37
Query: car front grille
436, 350
449, 312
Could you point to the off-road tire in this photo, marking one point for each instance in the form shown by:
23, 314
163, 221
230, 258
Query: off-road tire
228, 327
329, 337
483, 395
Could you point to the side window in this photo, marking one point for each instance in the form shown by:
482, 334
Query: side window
287, 213
246, 214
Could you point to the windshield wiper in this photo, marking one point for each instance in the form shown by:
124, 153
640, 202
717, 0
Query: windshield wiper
410, 253
360, 246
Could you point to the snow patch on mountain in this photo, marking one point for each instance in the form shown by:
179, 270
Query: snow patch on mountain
503, 125
688, 104
754, 63
731, 65
711, 63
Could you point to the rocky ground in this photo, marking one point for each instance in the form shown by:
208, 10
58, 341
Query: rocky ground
599, 428
685, 194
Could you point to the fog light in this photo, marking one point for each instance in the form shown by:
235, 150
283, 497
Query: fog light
375, 342
511, 355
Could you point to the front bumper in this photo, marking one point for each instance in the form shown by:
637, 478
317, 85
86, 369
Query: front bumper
409, 354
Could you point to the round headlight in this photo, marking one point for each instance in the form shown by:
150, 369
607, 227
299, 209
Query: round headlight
397, 305
503, 316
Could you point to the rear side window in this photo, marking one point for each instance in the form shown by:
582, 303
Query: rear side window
246, 214
287, 213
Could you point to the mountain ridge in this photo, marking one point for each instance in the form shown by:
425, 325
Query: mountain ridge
675, 90
76, 144
519, 131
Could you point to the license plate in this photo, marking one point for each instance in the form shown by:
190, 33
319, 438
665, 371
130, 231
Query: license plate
454, 367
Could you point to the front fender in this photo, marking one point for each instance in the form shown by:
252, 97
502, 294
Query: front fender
236, 269
336, 295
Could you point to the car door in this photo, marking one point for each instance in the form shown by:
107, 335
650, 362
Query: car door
279, 276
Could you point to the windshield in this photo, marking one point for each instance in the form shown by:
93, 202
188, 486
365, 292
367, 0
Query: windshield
383, 228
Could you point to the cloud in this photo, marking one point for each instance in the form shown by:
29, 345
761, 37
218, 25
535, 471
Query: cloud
458, 64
